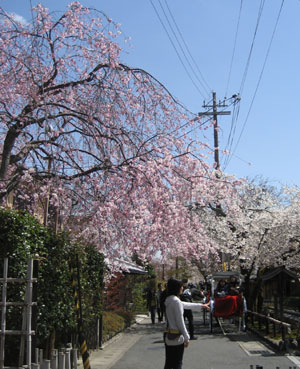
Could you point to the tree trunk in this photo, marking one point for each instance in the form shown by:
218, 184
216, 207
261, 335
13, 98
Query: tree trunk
7, 150
50, 345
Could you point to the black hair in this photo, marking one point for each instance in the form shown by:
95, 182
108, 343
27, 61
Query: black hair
174, 286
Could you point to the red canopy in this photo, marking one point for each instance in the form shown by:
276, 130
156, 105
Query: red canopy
228, 306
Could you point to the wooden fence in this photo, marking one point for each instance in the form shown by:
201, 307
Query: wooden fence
26, 332
271, 326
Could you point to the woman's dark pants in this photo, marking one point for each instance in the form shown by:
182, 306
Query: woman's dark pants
174, 356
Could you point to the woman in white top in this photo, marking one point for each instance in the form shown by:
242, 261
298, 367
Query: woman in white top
176, 336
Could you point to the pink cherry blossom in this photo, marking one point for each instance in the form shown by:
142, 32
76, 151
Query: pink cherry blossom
106, 143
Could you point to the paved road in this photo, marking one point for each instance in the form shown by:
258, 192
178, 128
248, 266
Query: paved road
141, 347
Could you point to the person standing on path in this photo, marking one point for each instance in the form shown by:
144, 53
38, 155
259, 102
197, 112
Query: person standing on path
152, 303
163, 297
188, 314
160, 312
176, 336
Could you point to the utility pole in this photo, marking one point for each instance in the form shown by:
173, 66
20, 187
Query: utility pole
215, 114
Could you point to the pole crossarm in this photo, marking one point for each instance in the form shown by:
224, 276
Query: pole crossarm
212, 113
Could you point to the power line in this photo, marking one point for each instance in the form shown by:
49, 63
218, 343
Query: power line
262, 3
236, 112
236, 103
177, 53
234, 46
188, 50
261, 74
203, 113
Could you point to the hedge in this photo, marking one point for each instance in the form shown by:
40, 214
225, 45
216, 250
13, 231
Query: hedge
22, 237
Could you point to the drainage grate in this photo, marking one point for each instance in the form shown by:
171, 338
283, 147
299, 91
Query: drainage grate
259, 352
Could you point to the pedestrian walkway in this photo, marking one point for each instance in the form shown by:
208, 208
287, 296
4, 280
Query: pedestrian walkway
114, 349
141, 347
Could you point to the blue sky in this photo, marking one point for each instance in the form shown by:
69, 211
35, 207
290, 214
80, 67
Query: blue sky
265, 134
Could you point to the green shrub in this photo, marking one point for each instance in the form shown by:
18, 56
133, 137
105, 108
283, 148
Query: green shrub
138, 297
22, 237
128, 316
55, 295
113, 323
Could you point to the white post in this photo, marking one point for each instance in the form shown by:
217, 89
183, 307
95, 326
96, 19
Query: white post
46, 364
3, 315
68, 358
41, 356
61, 360
37, 355
29, 310
98, 333
54, 360
74, 358
24, 326
35, 366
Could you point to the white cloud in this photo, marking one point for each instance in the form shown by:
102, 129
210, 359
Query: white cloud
18, 18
